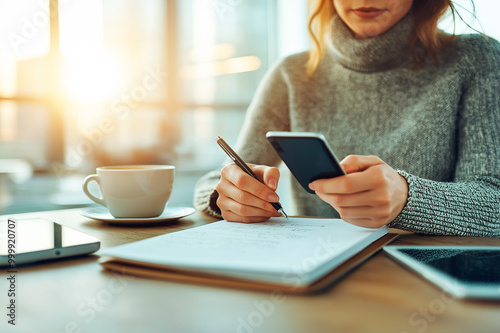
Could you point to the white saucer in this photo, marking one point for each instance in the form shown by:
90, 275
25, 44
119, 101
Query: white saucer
103, 214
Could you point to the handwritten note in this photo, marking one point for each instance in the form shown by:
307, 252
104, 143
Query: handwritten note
267, 251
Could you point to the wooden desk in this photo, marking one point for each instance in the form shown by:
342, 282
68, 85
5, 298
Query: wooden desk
380, 296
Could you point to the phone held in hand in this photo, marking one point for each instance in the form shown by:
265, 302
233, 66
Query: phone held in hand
307, 155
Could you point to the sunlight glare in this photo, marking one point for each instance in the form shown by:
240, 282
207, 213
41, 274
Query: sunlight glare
222, 67
92, 75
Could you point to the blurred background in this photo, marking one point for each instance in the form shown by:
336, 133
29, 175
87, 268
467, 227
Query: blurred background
85, 83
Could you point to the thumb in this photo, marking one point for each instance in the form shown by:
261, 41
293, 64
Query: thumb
270, 176
358, 163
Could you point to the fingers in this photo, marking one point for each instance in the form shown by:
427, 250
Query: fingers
360, 214
356, 163
270, 175
245, 199
232, 217
354, 182
236, 212
235, 194
370, 196
247, 183
376, 197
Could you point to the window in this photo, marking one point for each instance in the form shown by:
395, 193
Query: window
485, 20
91, 82
24, 81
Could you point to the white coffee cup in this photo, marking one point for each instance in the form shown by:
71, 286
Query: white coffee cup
133, 190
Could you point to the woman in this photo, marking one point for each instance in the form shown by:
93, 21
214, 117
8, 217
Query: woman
415, 111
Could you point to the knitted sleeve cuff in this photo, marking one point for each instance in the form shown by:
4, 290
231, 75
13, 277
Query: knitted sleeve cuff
205, 195
447, 208
398, 222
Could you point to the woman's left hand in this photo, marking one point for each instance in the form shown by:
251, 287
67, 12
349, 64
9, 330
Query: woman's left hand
371, 195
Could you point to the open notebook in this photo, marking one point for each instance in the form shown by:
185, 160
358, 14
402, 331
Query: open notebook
290, 253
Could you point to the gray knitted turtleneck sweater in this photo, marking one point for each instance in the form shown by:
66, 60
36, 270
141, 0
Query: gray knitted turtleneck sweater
439, 126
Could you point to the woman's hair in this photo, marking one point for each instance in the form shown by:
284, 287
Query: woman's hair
426, 15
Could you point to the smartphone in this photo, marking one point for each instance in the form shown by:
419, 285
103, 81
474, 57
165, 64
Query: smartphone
307, 155
27, 241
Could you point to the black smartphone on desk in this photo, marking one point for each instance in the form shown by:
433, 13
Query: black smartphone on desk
307, 155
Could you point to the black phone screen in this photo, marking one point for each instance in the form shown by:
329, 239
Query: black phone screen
308, 158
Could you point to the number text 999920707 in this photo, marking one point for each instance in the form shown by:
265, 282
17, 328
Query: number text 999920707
12, 270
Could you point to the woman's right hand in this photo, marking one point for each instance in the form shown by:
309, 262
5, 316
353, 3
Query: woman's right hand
243, 198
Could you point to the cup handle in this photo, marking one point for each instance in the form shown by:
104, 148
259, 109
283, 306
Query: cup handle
87, 192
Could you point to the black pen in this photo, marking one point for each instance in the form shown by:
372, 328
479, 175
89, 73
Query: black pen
239, 162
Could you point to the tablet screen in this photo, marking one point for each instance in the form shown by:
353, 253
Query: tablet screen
468, 265
464, 271
33, 235
27, 241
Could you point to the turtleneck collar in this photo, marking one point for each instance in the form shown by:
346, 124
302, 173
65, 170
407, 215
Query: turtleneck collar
388, 50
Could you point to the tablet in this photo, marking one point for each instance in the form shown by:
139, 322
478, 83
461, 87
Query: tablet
26, 241
463, 271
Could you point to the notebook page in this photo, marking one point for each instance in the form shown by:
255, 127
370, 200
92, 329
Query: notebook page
273, 248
